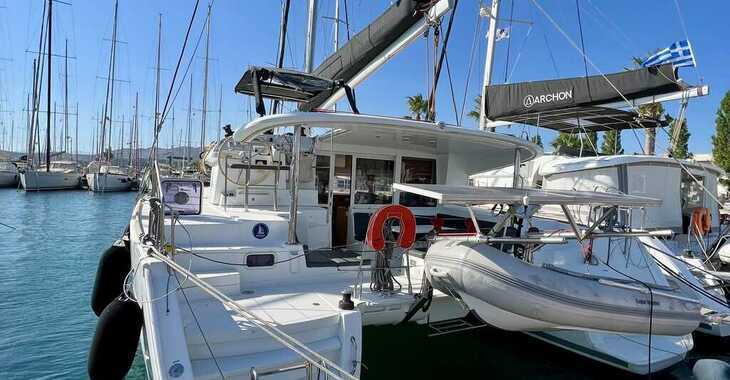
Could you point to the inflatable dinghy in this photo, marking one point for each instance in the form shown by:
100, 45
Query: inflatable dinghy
515, 295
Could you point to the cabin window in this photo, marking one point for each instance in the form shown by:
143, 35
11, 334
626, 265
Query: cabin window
417, 171
374, 181
260, 260
322, 168
692, 193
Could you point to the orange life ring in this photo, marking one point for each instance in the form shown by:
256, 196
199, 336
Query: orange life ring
407, 236
701, 220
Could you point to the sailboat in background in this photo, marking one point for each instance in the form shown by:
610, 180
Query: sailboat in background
52, 175
8, 174
102, 175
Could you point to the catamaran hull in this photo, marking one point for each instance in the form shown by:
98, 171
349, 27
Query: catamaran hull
8, 179
104, 182
628, 352
514, 295
41, 180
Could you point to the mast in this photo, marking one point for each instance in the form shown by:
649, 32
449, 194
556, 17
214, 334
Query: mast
29, 130
190, 122
220, 101
337, 35
121, 143
172, 139
132, 126
76, 138
489, 59
157, 82
48, 85
311, 36
109, 99
279, 54
65, 100
135, 136
112, 78
205, 85
337, 25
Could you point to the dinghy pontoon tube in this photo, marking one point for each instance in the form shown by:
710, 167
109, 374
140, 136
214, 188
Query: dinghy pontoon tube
516, 295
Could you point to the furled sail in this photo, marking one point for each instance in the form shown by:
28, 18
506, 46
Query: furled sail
312, 90
366, 45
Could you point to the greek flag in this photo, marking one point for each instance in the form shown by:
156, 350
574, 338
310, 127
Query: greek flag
679, 54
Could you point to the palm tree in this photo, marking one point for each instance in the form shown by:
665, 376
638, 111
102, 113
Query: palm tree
417, 105
475, 111
651, 111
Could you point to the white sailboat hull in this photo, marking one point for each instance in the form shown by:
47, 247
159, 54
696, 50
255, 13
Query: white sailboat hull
8, 178
106, 182
34, 180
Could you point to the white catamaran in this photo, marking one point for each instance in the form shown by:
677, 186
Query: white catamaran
318, 224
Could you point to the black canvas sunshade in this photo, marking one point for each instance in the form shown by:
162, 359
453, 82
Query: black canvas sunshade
585, 119
506, 101
282, 84
289, 85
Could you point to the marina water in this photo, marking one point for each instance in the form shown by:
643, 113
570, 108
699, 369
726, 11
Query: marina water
48, 258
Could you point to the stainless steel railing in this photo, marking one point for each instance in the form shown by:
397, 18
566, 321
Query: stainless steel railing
152, 189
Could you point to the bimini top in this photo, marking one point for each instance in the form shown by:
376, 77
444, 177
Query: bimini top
470, 195
567, 164
471, 150
574, 104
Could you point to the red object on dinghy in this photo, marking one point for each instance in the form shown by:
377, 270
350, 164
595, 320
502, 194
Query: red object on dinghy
407, 235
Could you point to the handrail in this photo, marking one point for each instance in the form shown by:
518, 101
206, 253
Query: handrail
157, 214
316, 359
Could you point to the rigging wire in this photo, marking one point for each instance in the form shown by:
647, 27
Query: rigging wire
686, 36
552, 57
519, 54
509, 39
472, 53
623, 97
451, 88
575, 46
582, 43
629, 44
174, 76
202, 334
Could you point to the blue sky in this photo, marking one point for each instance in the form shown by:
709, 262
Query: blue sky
245, 32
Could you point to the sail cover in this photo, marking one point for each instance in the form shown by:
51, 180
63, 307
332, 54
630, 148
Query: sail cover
360, 50
507, 101
311, 90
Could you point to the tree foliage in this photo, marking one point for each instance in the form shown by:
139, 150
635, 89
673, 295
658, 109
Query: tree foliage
652, 111
417, 106
679, 148
536, 139
721, 138
476, 108
612, 143
585, 142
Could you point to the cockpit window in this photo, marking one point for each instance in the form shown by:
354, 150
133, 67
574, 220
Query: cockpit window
374, 181
417, 171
